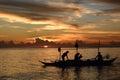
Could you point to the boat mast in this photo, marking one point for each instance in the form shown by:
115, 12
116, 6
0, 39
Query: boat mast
59, 50
99, 46
76, 46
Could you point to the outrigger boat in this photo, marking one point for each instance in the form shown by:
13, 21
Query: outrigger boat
88, 62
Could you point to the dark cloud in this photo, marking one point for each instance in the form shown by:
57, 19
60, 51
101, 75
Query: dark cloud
35, 10
75, 25
117, 2
113, 10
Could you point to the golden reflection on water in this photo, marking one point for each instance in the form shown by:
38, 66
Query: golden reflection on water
23, 64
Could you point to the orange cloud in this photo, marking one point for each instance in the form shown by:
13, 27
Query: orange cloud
41, 12
13, 18
2, 36
111, 20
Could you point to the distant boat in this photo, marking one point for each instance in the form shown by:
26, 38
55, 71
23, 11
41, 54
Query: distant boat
87, 62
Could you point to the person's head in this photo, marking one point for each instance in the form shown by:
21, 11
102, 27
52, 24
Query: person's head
78, 53
67, 51
99, 53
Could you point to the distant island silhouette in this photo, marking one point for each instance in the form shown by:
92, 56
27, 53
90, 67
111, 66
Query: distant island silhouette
39, 43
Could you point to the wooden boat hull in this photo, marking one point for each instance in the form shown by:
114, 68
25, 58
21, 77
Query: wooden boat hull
79, 63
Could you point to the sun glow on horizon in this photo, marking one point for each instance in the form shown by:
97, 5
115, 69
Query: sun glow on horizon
45, 46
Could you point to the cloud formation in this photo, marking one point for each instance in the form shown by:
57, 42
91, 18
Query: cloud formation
42, 10
112, 9
117, 2
61, 19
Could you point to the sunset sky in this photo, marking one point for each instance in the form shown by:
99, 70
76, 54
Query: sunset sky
60, 20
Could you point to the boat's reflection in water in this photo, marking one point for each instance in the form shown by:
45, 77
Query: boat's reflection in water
83, 73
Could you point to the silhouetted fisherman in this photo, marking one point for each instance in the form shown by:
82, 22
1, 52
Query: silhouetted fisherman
99, 56
65, 55
77, 56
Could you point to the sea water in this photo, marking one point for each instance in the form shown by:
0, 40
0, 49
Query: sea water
23, 64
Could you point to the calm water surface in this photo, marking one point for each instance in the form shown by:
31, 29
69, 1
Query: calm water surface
23, 64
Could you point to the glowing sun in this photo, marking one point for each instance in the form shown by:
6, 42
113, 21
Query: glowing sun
45, 46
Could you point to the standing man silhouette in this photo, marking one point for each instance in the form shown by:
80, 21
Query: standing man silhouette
65, 54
